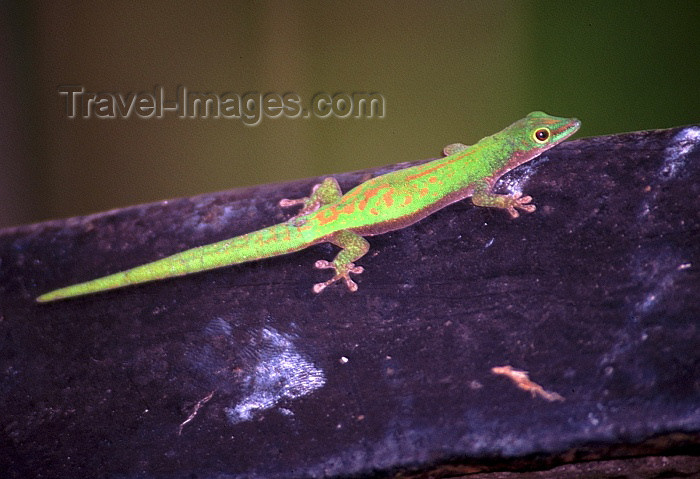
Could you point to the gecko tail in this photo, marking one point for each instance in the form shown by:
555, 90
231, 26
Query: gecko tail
275, 240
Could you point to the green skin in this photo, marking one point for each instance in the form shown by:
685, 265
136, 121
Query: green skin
382, 204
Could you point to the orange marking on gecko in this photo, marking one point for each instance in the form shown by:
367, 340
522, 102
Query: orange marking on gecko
259, 238
444, 164
388, 197
434, 168
374, 211
333, 213
407, 200
368, 196
269, 239
422, 192
325, 217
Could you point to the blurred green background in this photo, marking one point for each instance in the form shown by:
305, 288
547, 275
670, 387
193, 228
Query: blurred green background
448, 71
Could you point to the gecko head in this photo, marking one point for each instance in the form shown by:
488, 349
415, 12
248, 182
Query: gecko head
538, 132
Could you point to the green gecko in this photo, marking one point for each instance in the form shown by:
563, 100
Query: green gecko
385, 203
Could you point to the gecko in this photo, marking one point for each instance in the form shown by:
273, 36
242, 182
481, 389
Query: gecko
381, 204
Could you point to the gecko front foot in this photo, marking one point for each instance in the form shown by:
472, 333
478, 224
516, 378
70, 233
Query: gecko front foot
322, 194
517, 200
309, 204
483, 196
341, 272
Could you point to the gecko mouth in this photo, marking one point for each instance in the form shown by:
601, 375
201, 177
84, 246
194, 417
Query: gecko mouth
568, 129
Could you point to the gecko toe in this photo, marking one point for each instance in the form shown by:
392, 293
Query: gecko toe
352, 286
323, 264
286, 202
356, 269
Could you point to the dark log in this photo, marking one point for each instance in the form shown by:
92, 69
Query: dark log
244, 372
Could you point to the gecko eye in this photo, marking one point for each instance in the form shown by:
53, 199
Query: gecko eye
541, 135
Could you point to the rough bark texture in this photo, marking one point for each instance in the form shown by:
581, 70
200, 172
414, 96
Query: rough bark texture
243, 372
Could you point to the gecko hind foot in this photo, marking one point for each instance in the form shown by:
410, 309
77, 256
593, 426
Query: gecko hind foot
341, 273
